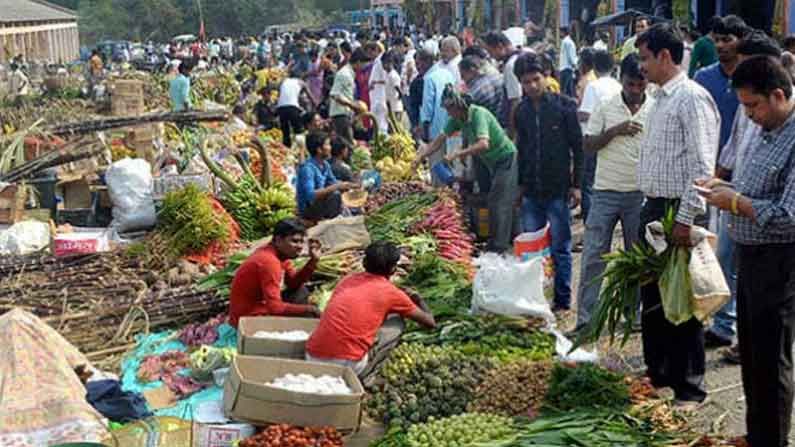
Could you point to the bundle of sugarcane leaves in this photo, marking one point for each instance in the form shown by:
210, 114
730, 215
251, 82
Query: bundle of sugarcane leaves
586, 427
619, 299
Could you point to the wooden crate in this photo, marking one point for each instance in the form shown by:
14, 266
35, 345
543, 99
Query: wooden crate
127, 87
12, 204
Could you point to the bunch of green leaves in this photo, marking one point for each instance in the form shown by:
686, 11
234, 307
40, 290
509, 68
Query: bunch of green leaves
502, 338
189, 222
443, 284
221, 280
394, 437
586, 385
619, 299
586, 427
392, 222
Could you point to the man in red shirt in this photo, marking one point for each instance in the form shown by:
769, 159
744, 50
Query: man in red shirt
354, 330
258, 284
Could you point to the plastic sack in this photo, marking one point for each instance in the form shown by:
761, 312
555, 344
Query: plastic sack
130, 189
565, 354
675, 288
710, 289
536, 245
24, 238
506, 286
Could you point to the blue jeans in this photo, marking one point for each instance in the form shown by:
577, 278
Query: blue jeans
588, 177
725, 321
535, 215
609, 207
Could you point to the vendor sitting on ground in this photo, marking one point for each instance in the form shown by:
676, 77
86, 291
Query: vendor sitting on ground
356, 329
318, 192
257, 286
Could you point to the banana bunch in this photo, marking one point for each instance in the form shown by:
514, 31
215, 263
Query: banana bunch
274, 204
271, 134
401, 146
394, 170
257, 212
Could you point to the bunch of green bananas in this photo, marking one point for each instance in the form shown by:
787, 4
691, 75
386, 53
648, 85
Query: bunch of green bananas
257, 210
274, 204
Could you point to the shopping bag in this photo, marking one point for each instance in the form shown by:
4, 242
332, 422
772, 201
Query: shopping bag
675, 288
536, 245
506, 286
710, 289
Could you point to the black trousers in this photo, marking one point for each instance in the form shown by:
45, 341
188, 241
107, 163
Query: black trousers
290, 121
674, 355
765, 328
328, 207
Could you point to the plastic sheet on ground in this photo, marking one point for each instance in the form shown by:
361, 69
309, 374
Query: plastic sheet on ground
167, 341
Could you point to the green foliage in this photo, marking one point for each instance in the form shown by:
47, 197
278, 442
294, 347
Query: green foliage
160, 20
586, 385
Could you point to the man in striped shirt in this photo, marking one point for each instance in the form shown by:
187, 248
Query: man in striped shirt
680, 147
614, 134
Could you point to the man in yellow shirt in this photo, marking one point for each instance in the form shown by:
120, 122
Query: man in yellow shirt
642, 23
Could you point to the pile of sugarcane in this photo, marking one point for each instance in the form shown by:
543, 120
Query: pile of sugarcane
100, 302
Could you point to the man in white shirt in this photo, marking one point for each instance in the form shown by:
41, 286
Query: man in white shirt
289, 105
567, 63
502, 50
596, 93
450, 52
614, 134
601, 42
18, 83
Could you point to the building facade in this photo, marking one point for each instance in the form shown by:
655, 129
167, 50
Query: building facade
37, 31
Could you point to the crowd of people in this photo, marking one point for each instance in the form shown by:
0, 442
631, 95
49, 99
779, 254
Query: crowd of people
701, 126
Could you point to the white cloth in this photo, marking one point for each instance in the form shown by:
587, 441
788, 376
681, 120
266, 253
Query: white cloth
599, 45
513, 87
18, 83
409, 70
452, 67
393, 91
597, 92
617, 164
378, 86
568, 54
289, 92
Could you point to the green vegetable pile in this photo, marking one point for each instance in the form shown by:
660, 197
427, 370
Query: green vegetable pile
513, 389
392, 221
189, 222
585, 428
460, 430
444, 284
586, 385
504, 339
360, 159
422, 381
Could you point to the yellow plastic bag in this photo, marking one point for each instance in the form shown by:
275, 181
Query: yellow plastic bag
676, 291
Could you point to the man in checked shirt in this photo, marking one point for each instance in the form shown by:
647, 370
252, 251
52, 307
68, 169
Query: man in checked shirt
761, 201
680, 147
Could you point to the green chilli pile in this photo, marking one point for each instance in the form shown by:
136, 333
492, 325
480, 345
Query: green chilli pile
505, 339
460, 430
425, 381
444, 284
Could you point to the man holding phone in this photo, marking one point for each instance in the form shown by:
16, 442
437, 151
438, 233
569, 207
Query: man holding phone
761, 201
614, 134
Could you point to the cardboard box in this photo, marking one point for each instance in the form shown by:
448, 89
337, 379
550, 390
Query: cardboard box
212, 429
247, 398
12, 204
247, 344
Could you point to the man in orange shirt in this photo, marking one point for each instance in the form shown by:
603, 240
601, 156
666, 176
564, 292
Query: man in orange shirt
258, 284
355, 330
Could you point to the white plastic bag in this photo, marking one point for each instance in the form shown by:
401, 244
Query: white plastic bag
130, 189
24, 238
710, 289
507, 286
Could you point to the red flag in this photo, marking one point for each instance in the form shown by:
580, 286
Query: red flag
202, 37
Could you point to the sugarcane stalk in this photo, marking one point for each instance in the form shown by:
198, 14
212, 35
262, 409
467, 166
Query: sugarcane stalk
214, 168
265, 176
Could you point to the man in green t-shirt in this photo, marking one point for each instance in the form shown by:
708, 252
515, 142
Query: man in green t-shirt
704, 51
491, 145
